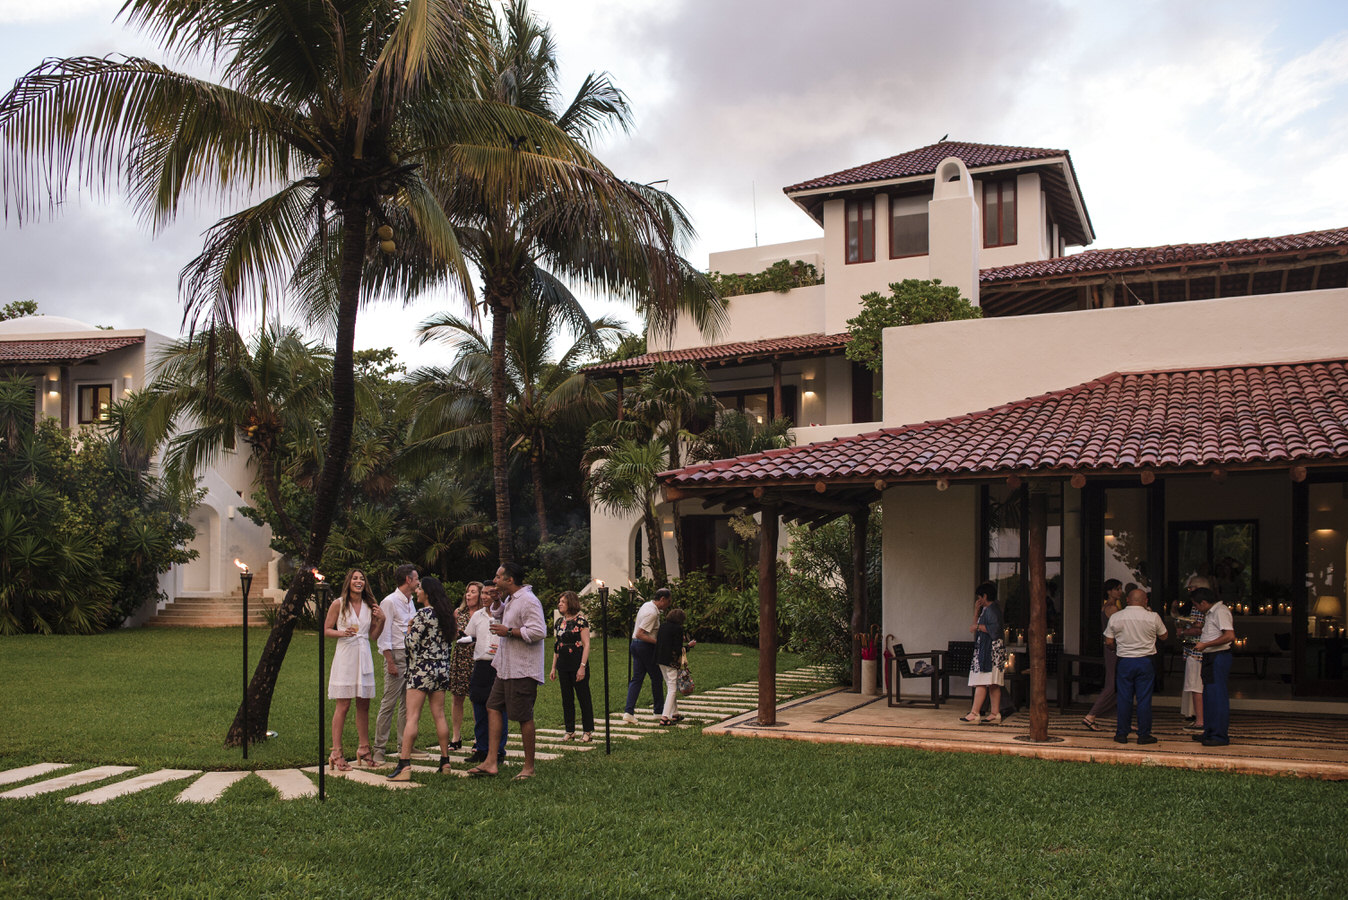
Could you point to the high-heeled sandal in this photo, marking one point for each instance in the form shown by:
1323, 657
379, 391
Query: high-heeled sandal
444, 765
364, 757
569, 736
586, 737
337, 762
456, 745
402, 771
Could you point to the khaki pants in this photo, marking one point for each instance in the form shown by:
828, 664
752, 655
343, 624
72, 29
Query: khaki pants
394, 686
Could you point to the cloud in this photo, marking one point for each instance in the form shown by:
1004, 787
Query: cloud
32, 12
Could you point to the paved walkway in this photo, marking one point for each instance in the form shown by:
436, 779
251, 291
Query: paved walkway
1263, 743
106, 783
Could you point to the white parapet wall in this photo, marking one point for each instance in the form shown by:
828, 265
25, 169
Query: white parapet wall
951, 368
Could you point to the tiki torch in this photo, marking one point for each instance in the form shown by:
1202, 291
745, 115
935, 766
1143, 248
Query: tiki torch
246, 583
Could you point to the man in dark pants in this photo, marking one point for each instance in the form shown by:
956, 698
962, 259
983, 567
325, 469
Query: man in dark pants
1219, 633
642, 649
1133, 632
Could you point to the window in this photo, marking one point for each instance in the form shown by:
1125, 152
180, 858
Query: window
999, 213
907, 229
757, 403
1005, 554
861, 230
94, 402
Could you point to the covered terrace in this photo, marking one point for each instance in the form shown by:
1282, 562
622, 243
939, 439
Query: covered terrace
1205, 425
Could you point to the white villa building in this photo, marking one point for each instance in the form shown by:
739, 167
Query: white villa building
78, 371
1184, 408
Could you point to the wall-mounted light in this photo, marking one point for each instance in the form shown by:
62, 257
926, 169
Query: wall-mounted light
667, 527
53, 387
126, 384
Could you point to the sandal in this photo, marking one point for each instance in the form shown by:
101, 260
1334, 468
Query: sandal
665, 723
993, 719
337, 762
456, 745
586, 738
970, 719
569, 736
402, 771
444, 765
1089, 723
364, 758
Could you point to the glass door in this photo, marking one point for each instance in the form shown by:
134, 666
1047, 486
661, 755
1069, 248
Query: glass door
1319, 633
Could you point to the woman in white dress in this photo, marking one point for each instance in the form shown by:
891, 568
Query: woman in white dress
354, 619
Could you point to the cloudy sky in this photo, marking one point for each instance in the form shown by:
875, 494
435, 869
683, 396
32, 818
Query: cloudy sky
1186, 121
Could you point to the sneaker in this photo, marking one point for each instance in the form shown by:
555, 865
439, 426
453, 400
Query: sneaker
629, 719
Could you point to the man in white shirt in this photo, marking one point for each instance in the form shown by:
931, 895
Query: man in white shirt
1215, 642
642, 650
1133, 632
398, 608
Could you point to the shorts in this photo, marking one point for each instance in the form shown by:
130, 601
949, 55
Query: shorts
515, 696
1193, 675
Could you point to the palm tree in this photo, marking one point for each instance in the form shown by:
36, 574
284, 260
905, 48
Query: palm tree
618, 237
671, 397
203, 394
737, 433
358, 114
542, 396
622, 480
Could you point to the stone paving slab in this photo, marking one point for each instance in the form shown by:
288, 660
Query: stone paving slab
132, 785
210, 787
24, 773
74, 779
365, 776
291, 784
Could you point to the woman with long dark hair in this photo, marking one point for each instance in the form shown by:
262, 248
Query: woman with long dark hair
1112, 603
430, 635
354, 619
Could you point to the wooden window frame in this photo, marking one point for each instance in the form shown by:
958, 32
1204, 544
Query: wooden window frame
79, 402
865, 253
1001, 192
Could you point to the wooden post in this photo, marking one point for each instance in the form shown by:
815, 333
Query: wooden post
620, 398
860, 520
777, 411
1038, 614
767, 617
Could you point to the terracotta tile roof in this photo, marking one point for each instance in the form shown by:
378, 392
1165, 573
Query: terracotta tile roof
62, 351
1095, 261
797, 345
923, 161
1163, 420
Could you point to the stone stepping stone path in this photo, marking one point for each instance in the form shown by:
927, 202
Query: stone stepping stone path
293, 784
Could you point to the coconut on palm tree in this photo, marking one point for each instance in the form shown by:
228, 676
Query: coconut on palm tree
344, 117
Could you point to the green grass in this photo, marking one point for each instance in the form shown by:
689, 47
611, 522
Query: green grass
679, 815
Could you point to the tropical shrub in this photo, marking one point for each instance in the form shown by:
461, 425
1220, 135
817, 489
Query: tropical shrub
84, 533
909, 302
780, 277
814, 598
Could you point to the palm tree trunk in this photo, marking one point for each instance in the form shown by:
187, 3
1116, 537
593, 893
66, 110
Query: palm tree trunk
659, 572
500, 317
272, 486
355, 222
540, 507
674, 510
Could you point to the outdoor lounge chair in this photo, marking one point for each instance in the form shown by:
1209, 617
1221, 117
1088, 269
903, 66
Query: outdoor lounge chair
938, 676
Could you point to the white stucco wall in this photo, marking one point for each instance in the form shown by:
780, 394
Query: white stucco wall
950, 368
754, 317
930, 573
751, 260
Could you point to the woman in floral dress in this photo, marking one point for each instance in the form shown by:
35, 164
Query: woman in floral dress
430, 634
461, 663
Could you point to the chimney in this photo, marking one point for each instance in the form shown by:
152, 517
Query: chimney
955, 228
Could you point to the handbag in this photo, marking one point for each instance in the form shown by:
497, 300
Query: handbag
998, 654
685, 683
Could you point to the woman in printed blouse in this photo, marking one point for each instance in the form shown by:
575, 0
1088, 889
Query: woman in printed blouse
461, 663
430, 635
571, 664
986, 673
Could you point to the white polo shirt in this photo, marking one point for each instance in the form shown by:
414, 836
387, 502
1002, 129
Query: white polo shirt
1217, 620
648, 619
1135, 630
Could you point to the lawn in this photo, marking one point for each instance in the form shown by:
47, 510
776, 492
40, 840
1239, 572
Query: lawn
681, 815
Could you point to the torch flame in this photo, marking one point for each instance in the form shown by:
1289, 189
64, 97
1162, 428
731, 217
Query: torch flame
243, 567
318, 576
598, 583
